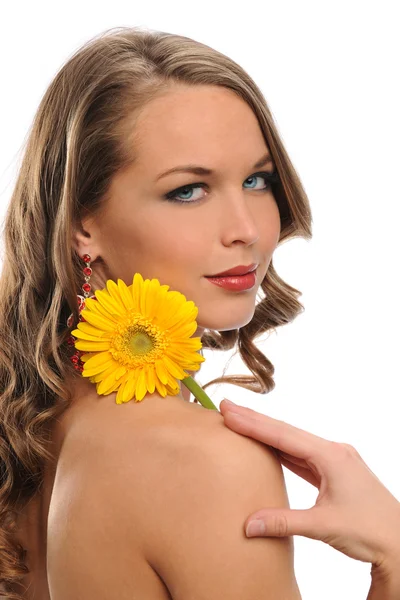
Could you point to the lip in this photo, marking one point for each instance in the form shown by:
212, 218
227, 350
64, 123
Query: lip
239, 270
237, 283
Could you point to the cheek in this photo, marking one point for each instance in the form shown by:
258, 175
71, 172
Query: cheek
269, 227
153, 240
275, 225
180, 242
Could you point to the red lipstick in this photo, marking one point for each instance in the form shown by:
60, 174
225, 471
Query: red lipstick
237, 279
239, 270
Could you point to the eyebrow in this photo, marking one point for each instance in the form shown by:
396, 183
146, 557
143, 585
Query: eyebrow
197, 170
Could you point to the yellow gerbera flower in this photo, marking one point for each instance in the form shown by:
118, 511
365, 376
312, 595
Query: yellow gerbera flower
137, 339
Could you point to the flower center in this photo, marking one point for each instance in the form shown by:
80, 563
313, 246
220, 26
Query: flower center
140, 343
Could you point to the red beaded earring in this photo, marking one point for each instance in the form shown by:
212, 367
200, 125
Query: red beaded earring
86, 287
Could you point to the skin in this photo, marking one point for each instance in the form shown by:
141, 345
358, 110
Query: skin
236, 220
346, 514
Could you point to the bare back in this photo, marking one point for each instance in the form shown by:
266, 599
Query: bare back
97, 551
129, 576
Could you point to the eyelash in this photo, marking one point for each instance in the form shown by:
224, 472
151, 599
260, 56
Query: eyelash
270, 177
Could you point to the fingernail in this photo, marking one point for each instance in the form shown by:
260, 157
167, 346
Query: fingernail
255, 528
229, 402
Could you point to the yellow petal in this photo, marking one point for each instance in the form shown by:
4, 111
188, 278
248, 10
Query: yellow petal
184, 316
110, 303
110, 368
152, 296
95, 307
113, 290
173, 368
95, 371
179, 356
126, 296
172, 307
183, 331
98, 359
161, 389
105, 367
88, 346
120, 372
115, 388
105, 384
94, 378
156, 308
143, 297
161, 371
141, 387
102, 336
129, 388
194, 343
119, 397
136, 290
151, 377
87, 328
173, 391
172, 381
97, 321
85, 357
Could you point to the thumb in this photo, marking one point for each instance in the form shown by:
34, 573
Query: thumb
284, 522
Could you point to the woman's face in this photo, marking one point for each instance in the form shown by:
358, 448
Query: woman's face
230, 219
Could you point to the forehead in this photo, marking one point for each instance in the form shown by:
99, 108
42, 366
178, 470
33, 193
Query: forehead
198, 122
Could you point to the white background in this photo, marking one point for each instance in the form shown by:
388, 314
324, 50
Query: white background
329, 72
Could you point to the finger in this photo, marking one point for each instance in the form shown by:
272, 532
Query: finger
276, 433
297, 461
302, 472
309, 466
285, 522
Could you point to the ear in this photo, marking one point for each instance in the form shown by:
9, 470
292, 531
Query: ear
84, 239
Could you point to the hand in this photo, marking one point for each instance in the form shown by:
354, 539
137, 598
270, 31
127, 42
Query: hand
353, 513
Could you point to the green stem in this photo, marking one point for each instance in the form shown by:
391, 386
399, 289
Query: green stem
198, 393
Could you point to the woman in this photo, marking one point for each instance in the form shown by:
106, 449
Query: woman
146, 499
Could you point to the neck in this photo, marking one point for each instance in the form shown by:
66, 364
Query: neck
185, 393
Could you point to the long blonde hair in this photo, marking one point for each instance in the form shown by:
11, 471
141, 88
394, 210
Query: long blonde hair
75, 146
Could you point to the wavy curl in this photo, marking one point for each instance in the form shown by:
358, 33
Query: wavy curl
75, 146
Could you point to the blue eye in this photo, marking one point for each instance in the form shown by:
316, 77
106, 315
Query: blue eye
270, 177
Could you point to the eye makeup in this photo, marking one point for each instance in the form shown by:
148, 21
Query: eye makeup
270, 177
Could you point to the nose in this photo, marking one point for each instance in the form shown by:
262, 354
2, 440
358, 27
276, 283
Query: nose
239, 219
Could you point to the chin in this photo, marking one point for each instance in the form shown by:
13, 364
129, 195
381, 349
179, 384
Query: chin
223, 323
224, 326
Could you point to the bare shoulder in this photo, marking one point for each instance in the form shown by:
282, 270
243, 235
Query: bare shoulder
167, 482
94, 542
203, 485
94, 548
